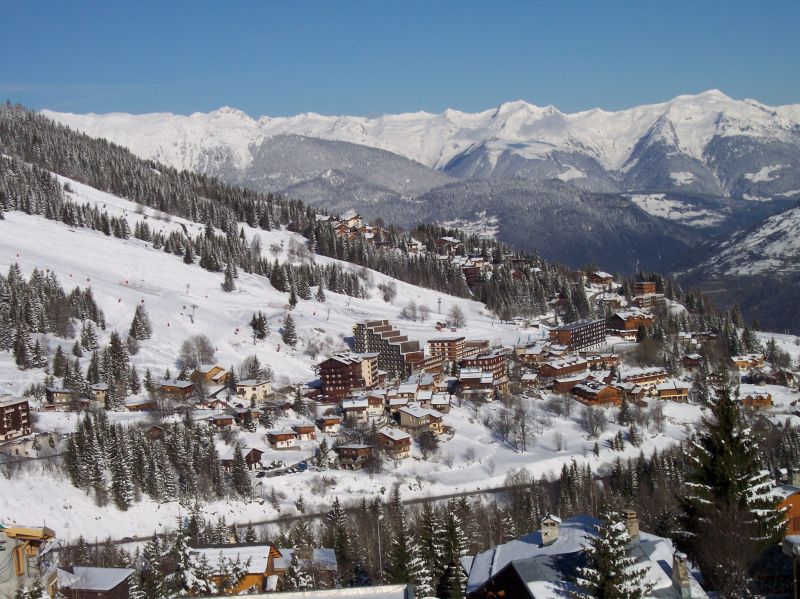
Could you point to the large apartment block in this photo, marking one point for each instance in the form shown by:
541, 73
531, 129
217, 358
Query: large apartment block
583, 334
15, 418
347, 372
449, 348
397, 354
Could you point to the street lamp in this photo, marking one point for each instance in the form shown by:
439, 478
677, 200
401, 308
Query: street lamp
380, 553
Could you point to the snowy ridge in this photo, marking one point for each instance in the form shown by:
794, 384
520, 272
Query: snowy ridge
688, 122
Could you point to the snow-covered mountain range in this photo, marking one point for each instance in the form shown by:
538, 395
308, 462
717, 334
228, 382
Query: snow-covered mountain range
702, 166
689, 137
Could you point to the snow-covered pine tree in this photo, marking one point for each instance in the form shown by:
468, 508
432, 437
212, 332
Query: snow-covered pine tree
141, 328
297, 577
611, 571
229, 284
289, 332
240, 474
730, 502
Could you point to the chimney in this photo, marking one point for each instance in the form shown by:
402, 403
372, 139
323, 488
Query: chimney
632, 524
550, 526
680, 576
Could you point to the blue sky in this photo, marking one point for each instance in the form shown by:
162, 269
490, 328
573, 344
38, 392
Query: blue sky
353, 57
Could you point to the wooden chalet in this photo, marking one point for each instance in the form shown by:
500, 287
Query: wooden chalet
305, 432
258, 560
416, 419
329, 424
594, 393
58, 399
353, 456
251, 455
210, 374
175, 389
395, 442
691, 362
673, 391
757, 402
282, 439
85, 582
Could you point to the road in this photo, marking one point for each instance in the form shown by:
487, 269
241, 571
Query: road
288, 519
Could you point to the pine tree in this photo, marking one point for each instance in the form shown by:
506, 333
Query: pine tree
88, 337
240, 474
77, 351
320, 295
727, 491
229, 284
611, 572
322, 460
289, 333
141, 328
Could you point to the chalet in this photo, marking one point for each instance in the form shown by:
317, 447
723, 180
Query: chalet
691, 362
223, 421
631, 392
329, 424
154, 432
394, 404
472, 274
305, 432
528, 380
375, 405
644, 287
242, 414
319, 562
15, 418
282, 439
673, 391
599, 277
351, 219
567, 367
210, 374
448, 245
408, 391
353, 456
474, 382
215, 403
141, 404
99, 392
593, 393
396, 443
540, 565
81, 582
628, 321
610, 302
355, 410
251, 455
746, 362
441, 402
647, 378
648, 300
601, 361
534, 354
257, 390
757, 402
257, 559
416, 419
175, 389
413, 246
565, 384
424, 381
790, 506
27, 554
583, 334
344, 373
58, 399
424, 398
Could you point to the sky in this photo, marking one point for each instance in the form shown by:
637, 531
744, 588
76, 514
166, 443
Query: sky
380, 56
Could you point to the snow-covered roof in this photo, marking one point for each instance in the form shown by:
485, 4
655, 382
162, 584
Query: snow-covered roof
321, 557
395, 591
395, 434
407, 388
256, 555
84, 578
355, 404
544, 568
176, 383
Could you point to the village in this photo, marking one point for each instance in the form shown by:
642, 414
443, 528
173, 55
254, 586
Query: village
393, 398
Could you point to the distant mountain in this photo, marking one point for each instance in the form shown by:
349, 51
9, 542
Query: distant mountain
706, 143
758, 268
698, 166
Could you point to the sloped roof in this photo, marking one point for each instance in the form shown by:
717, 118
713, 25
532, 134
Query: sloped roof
92, 579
